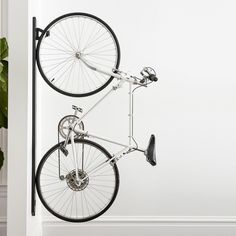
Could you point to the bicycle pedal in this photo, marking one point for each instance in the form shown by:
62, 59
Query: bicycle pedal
64, 150
77, 108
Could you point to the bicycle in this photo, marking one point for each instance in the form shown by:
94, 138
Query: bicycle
77, 179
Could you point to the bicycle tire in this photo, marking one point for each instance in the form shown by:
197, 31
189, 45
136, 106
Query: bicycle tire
44, 189
63, 47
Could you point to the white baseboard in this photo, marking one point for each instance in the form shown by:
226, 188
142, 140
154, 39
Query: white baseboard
144, 226
3, 210
149, 220
143, 220
3, 226
3, 220
139, 226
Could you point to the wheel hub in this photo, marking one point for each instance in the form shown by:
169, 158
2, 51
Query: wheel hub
78, 55
73, 184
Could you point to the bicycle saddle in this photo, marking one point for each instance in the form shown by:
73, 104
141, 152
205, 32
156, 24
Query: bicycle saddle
150, 153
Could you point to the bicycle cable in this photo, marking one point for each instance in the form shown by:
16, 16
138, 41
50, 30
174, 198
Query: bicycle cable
132, 135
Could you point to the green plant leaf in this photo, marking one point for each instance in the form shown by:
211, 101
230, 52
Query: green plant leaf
4, 88
3, 99
3, 48
1, 67
5, 67
3, 120
1, 158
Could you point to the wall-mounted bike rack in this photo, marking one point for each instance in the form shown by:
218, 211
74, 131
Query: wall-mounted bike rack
35, 37
77, 177
33, 199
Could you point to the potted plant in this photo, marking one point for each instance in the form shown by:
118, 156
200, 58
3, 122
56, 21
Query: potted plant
3, 88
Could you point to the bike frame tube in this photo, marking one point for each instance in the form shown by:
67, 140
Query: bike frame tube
87, 134
75, 157
125, 77
96, 104
126, 148
80, 131
122, 78
117, 155
130, 136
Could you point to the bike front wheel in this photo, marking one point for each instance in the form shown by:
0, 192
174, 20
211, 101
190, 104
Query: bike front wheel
63, 196
69, 41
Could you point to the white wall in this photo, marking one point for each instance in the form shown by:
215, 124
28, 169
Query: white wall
191, 109
20, 222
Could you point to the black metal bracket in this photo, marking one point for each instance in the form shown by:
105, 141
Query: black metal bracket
40, 31
36, 33
34, 41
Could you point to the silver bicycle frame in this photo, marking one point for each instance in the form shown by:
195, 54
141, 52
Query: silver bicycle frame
122, 78
88, 134
126, 148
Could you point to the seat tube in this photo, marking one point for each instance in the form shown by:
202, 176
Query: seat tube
75, 157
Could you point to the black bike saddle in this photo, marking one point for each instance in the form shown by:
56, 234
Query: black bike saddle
151, 151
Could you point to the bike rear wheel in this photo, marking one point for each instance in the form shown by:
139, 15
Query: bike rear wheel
59, 192
69, 39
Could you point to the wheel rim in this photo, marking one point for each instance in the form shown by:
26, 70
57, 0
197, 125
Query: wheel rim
68, 39
66, 200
